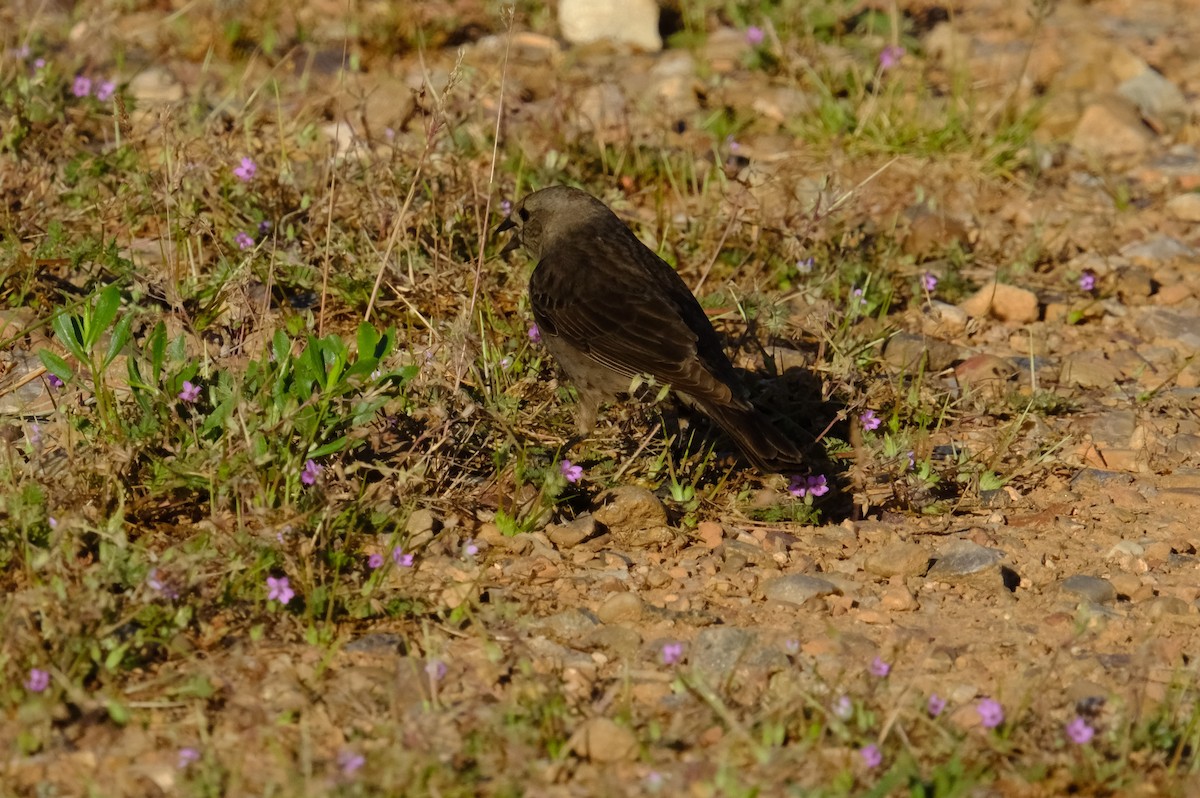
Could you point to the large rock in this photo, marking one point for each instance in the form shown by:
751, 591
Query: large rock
631, 21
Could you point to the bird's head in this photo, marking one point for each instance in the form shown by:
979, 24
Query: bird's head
541, 217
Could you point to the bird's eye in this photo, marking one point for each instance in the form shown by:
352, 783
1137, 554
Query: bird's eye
524, 214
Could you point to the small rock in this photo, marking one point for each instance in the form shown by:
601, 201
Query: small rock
898, 559
603, 740
963, 558
1185, 207
573, 532
1159, 606
568, 626
1004, 302
711, 534
1088, 370
984, 371
796, 588
721, 652
1126, 585
1158, 100
155, 85
1099, 478
1110, 128
1134, 283
619, 640
898, 598
1115, 427
631, 21
601, 108
910, 352
620, 607
1171, 327
1090, 588
629, 508
1157, 250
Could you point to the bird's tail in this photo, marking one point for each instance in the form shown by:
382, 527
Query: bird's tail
759, 440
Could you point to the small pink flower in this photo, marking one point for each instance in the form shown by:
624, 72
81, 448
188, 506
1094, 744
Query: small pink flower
929, 281
246, 170
573, 473
401, 559
312, 470
471, 548
880, 668
991, 714
435, 669
38, 680
890, 57
279, 590
187, 756
190, 392
871, 756
1079, 732
82, 86
54, 381
105, 90
244, 240
936, 705
535, 334
754, 36
843, 708
672, 653
375, 561
350, 761
1087, 281
869, 420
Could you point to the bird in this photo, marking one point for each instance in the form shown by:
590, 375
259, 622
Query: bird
609, 310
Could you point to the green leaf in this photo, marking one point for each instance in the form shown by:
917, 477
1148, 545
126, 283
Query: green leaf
101, 317
70, 334
55, 365
333, 446
120, 337
156, 345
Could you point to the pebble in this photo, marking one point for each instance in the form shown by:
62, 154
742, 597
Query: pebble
629, 21
963, 558
910, 352
898, 559
603, 740
1111, 128
573, 532
1185, 207
1090, 588
796, 588
1158, 100
620, 607
1002, 301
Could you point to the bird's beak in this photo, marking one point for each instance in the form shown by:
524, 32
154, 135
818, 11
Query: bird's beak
515, 241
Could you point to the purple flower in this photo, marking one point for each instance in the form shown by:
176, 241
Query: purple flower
243, 239
754, 36
929, 281
38, 63
279, 590
471, 548
82, 86
350, 761
871, 756
1079, 732
375, 561
312, 470
733, 144
264, 227
1087, 280
843, 708
35, 435
435, 669
54, 381
890, 57
858, 300
935, 705
672, 653
401, 559
505, 363
791, 645
808, 486
535, 334
190, 392
879, 667
572, 472
805, 265
912, 459
246, 170
505, 207
105, 90
38, 680
991, 714
156, 583
869, 420
187, 756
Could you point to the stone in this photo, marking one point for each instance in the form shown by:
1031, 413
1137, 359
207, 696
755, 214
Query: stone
620, 607
984, 371
603, 740
898, 598
1090, 588
1111, 128
1158, 100
628, 21
601, 108
629, 508
711, 534
1172, 327
963, 558
1088, 370
573, 532
1185, 207
898, 559
911, 352
797, 588
1002, 301
1157, 250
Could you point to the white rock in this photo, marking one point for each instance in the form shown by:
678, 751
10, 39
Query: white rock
631, 21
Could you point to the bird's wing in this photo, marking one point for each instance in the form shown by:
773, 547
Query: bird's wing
610, 298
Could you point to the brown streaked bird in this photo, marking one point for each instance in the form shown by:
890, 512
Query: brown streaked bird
609, 309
